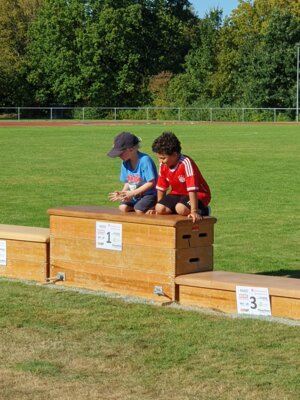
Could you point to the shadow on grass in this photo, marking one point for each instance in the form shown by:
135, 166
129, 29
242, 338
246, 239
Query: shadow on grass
287, 273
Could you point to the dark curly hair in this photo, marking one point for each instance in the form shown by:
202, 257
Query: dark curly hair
166, 143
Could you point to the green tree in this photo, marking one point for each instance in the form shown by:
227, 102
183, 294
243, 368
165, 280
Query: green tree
103, 52
195, 85
15, 18
270, 69
158, 86
241, 29
256, 54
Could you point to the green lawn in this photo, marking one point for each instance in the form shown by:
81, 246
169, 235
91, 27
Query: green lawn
57, 344
66, 345
253, 171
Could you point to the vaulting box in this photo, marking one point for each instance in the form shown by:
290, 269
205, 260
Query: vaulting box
217, 290
24, 252
102, 248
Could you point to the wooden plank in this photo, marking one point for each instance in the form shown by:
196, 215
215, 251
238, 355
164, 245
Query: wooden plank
194, 235
132, 233
278, 286
27, 251
110, 270
24, 233
155, 259
113, 214
225, 300
119, 280
194, 260
285, 307
25, 269
221, 300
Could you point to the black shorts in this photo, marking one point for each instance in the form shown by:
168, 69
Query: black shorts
170, 201
143, 204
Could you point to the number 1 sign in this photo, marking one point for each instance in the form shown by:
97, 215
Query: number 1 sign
253, 300
108, 236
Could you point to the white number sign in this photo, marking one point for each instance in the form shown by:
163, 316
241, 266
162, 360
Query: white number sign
253, 300
3, 252
108, 236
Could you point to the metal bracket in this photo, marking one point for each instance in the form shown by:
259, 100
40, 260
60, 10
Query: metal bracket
158, 290
61, 276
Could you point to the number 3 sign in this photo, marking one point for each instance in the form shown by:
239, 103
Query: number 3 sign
253, 300
108, 236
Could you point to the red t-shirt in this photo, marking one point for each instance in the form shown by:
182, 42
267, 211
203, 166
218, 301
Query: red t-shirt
185, 177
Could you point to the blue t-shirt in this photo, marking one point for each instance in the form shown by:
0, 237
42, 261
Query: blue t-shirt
144, 172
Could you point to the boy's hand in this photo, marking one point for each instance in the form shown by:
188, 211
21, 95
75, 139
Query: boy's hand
195, 216
127, 195
114, 196
151, 211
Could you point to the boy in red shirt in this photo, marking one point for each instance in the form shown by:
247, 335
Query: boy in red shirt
190, 194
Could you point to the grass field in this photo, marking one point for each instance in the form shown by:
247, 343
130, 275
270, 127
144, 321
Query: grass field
66, 345
57, 344
253, 171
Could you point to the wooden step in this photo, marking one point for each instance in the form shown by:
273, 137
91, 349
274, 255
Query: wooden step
217, 290
25, 233
26, 252
155, 248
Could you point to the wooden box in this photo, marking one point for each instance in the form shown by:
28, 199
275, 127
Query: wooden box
217, 290
24, 252
154, 250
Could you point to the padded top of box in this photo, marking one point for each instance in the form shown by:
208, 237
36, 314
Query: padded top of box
223, 280
114, 214
24, 233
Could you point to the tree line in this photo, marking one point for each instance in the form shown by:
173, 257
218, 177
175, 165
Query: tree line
104, 53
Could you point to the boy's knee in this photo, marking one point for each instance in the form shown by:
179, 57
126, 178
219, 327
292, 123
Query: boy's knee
139, 211
125, 208
181, 209
161, 209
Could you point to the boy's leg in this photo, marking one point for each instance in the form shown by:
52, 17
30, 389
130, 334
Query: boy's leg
167, 204
145, 203
161, 209
126, 206
183, 207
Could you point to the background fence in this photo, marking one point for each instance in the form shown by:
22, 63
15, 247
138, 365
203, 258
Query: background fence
171, 114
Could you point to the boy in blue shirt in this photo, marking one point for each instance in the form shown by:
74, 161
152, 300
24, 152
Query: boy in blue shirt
138, 172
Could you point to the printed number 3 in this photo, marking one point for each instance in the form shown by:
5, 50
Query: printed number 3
253, 302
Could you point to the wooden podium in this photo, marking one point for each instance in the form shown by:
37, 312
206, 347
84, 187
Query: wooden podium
27, 252
217, 290
150, 250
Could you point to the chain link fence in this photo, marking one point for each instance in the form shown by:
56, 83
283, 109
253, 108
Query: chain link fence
148, 114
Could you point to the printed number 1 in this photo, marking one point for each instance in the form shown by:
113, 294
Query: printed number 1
253, 302
108, 237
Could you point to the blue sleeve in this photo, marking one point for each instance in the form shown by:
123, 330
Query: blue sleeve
149, 169
123, 174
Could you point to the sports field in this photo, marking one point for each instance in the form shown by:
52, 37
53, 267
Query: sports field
57, 344
253, 172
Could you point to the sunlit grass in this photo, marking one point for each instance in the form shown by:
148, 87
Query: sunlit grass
64, 345
251, 169
56, 344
